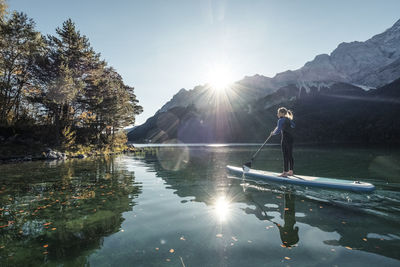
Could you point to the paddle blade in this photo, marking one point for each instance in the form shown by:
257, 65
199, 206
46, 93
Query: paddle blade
245, 169
247, 166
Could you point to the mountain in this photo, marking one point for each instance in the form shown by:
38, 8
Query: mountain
204, 97
349, 75
338, 113
368, 63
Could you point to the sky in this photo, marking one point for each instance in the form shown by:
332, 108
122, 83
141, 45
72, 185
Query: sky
161, 46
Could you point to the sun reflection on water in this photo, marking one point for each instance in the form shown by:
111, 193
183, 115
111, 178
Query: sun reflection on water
222, 208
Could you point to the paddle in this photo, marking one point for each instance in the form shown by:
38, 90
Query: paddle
247, 165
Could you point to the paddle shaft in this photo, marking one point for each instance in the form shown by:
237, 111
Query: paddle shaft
255, 154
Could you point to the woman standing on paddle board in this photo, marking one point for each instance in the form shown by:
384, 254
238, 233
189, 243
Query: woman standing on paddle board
285, 127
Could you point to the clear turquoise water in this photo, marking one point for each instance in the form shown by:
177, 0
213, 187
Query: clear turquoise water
176, 206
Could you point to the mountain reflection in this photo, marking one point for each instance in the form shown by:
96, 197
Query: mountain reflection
204, 176
60, 212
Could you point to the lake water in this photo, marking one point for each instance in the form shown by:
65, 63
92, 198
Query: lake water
177, 206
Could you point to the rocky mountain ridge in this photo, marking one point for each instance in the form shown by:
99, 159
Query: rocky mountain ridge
339, 113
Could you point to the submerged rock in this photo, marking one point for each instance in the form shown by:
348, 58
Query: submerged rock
53, 155
27, 158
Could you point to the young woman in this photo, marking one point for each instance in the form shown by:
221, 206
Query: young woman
285, 128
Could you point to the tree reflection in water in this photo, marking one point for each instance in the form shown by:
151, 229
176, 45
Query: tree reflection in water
60, 212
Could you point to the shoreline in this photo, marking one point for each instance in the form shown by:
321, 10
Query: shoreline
49, 154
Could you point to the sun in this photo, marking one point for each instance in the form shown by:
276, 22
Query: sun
219, 77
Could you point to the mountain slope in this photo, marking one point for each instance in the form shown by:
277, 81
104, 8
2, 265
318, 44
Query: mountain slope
353, 62
338, 113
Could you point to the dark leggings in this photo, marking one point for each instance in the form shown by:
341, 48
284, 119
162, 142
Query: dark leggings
287, 150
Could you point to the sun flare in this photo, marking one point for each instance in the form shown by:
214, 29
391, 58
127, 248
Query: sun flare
219, 77
221, 209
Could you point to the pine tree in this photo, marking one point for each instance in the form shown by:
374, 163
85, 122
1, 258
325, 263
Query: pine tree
19, 46
62, 75
118, 105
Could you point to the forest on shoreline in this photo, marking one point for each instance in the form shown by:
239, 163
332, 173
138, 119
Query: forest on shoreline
56, 91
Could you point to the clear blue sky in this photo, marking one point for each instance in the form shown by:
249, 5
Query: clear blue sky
161, 46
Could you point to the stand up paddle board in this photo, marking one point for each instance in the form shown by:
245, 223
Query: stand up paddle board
304, 180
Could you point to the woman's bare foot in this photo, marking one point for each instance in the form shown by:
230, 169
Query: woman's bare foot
283, 174
290, 173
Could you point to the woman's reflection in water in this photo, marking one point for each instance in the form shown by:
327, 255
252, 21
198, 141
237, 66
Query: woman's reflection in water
288, 232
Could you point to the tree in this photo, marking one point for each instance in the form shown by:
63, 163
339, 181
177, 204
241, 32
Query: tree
19, 46
113, 103
3, 9
62, 73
